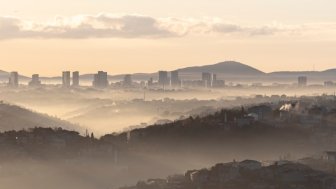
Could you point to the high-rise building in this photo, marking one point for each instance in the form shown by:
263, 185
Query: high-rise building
163, 78
13, 79
302, 81
127, 80
206, 78
100, 80
175, 80
66, 80
75, 79
35, 80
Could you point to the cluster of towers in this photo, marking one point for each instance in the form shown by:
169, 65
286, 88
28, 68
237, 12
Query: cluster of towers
100, 80
66, 79
164, 79
210, 80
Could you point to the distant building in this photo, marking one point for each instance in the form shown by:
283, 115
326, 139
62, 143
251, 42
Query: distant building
127, 80
100, 80
206, 78
163, 78
75, 79
302, 81
35, 80
13, 79
174, 79
14, 76
66, 79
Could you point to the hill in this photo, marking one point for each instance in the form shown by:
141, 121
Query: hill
245, 174
326, 73
15, 118
4, 76
228, 68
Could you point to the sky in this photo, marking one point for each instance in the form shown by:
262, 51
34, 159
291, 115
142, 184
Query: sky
47, 37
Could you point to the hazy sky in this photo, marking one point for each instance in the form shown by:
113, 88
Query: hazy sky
46, 37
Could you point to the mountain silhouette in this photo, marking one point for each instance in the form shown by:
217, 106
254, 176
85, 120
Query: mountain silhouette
225, 70
228, 67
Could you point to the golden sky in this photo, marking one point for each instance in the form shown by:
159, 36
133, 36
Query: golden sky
46, 37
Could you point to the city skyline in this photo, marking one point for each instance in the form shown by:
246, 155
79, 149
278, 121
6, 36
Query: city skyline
154, 35
158, 94
91, 72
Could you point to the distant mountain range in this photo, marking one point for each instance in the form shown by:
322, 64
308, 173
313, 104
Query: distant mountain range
229, 70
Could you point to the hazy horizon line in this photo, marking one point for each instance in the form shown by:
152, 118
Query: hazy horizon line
134, 73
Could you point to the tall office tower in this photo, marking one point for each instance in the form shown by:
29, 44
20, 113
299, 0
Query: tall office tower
35, 80
100, 80
206, 78
302, 81
75, 79
13, 79
66, 82
163, 78
175, 80
127, 80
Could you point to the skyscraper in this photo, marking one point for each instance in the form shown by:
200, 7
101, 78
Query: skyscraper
13, 79
163, 78
302, 81
75, 79
127, 80
206, 78
35, 80
100, 80
175, 80
66, 82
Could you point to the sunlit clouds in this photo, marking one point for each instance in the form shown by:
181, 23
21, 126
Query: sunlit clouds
106, 25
